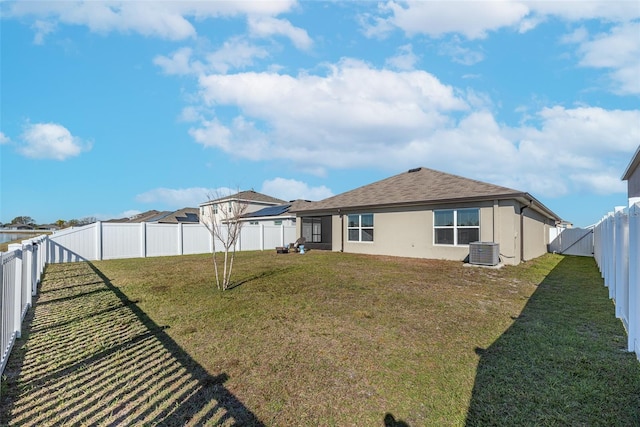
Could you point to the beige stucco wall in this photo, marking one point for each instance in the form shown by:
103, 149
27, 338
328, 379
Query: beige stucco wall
408, 232
536, 234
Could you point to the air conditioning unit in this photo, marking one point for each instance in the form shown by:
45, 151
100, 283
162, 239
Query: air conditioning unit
484, 253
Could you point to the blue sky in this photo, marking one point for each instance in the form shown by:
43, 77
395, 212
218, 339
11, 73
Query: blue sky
113, 108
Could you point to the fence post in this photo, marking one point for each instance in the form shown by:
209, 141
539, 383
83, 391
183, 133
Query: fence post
622, 265
633, 343
17, 288
27, 277
282, 235
261, 231
180, 239
99, 251
35, 269
611, 262
143, 239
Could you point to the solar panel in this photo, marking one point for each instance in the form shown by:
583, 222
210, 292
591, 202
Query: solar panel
269, 211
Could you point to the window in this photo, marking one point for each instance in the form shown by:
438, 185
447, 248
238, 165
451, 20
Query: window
254, 223
277, 222
360, 228
312, 229
456, 226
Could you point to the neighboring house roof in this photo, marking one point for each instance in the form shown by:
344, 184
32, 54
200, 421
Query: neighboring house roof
184, 215
635, 162
421, 186
247, 196
284, 210
148, 216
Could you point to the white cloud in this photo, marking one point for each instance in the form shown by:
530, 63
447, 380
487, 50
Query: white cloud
4, 139
618, 51
267, 26
50, 141
405, 59
291, 189
179, 63
178, 198
578, 10
235, 53
437, 18
459, 53
357, 116
310, 119
168, 20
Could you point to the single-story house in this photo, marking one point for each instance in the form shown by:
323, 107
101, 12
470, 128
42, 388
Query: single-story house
223, 208
425, 213
275, 215
632, 176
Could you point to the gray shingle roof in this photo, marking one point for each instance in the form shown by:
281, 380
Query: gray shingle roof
420, 185
185, 215
249, 195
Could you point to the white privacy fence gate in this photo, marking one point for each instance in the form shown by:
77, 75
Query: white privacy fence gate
617, 252
22, 265
573, 241
21, 268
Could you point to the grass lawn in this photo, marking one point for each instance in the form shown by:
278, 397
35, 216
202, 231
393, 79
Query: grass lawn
323, 339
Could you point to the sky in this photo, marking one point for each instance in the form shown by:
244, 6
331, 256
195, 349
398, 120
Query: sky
108, 109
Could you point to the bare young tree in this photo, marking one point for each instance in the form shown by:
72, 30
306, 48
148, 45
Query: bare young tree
222, 217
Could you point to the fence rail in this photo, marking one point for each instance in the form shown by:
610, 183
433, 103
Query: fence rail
617, 252
21, 268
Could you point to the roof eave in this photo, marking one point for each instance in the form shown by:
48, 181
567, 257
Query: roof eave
414, 203
635, 162
524, 198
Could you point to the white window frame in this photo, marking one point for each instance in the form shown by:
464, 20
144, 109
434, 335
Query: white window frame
455, 227
360, 228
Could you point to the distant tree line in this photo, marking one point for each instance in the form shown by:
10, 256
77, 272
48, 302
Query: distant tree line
61, 223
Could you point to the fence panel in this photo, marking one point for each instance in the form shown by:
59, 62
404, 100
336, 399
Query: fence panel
196, 239
117, 240
251, 238
617, 251
20, 271
274, 236
163, 239
634, 279
74, 244
10, 269
573, 241
122, 240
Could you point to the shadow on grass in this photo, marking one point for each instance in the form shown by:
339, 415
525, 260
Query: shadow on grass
262, 275
92, 356
562, 362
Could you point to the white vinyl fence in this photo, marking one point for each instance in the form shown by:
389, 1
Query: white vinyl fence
617, 252
573, 241
105, 240
22, 265
21, 268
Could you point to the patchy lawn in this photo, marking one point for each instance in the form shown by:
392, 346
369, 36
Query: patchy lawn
322, 339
